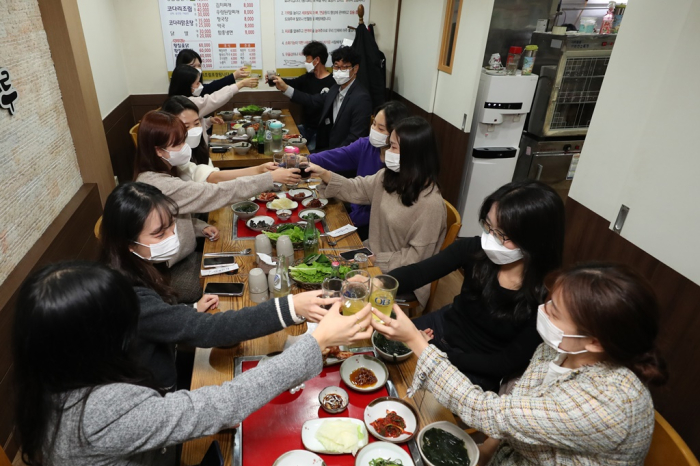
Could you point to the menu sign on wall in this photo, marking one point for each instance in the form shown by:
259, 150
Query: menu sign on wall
225, 33
298, 22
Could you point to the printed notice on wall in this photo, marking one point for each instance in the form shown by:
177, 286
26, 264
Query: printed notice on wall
298, 22
225, 33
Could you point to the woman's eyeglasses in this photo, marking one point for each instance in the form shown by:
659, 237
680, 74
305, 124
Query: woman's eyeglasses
498, 235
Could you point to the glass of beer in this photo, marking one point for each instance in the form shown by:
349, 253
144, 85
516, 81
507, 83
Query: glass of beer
256, 76
354, 298
384, 288
360, 276
332, 288
248, 65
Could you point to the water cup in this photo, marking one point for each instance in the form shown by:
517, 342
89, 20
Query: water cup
332, 288
257, 281
263, 244
285, 247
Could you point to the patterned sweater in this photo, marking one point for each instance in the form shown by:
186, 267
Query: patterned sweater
595, 415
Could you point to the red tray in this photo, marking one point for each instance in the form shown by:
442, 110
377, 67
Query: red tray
244, 232
275, 428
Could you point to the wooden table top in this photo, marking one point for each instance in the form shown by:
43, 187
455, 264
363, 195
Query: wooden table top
232, 160
216, 365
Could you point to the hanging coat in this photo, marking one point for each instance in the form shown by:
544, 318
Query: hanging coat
372, 73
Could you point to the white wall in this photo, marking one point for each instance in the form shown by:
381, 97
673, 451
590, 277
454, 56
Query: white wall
420, 35
641, 148
103, 41
455, 94
126, 49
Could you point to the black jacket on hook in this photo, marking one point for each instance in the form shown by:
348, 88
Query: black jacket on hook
372, 73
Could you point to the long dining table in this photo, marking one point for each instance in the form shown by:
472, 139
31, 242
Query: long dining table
230, 159
216, 365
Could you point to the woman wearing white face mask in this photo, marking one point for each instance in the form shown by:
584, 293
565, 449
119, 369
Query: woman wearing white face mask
160, 155
488, 331
201, 167
191, 58
186, 81
408, 221
583, 398
365, 156
138, 234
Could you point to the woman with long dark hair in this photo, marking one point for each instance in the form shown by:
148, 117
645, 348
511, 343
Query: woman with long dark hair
365, 156
138, 227
83, 400
193, 59
161, 153
408, 220
488, 331
186, 81
584, 398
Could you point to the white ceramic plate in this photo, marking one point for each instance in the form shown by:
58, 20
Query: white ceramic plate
269, 220
305, 202
295, 204
299, 458
333, 361
378, 408
310, 427
279, 196
382, 450
472, 449
371, 363
305, 192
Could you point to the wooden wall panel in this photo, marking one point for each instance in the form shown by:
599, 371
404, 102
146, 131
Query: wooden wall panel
70, 236
121, 148
588, 237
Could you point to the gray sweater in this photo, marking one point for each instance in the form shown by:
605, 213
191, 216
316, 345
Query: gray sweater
126, 424
161, 326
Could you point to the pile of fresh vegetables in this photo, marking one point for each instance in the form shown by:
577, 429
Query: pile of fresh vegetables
296, 234
315, 268
251, 109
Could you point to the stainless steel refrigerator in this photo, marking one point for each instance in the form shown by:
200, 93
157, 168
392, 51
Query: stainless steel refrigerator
571, 70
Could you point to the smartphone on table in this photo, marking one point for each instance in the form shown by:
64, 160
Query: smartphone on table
350, 255
211, 262
224, 289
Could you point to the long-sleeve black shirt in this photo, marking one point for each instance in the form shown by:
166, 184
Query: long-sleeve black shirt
311, 85
217, 84
490, 345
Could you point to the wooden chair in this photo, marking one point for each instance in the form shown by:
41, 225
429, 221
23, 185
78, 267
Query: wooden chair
4, 460
98, 224
454, 223
134, 131
667, 447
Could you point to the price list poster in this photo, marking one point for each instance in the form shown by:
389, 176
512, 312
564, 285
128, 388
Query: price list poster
298, 22
225, 33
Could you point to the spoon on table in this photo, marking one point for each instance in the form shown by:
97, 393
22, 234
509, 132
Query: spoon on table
243, 252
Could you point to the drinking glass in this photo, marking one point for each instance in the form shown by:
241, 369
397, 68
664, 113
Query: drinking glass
332, 288
271, 74
354, 297
291, 160
278, 158
360, 276
384, 289
256, 76
248, 65
303, 165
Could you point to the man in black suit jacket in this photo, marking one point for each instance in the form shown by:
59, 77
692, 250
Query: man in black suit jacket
346, 108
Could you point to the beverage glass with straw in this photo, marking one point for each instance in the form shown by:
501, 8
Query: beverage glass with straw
384, 288
354, 298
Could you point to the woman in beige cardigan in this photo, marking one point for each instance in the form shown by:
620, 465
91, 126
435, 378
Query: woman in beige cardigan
161, 152
408, 219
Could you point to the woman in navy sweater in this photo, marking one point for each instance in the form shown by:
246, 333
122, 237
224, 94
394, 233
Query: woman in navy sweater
365, 156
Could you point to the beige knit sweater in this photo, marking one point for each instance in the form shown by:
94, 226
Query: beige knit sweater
398, 235
193, 197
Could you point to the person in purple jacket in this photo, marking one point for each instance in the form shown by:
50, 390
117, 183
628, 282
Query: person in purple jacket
365, 156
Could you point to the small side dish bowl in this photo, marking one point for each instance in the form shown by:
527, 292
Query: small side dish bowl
472, 449
227, 115
242, 148
374, 450
299, 194
341, 394
309, 200
245, 209
379, 408
350, 365
320, 215
284, 214
394, 357
275, 113
255, 225
297, 142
